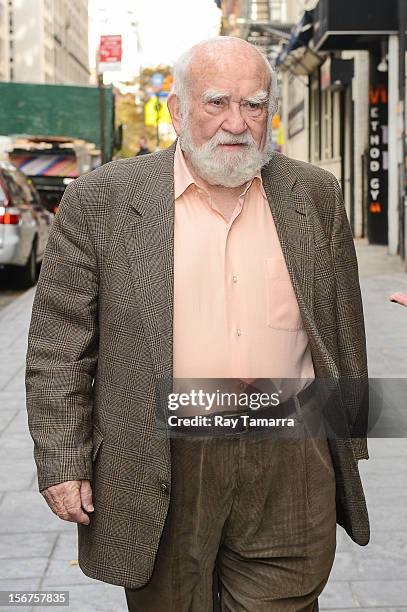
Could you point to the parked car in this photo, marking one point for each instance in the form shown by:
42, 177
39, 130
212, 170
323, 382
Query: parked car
24, 226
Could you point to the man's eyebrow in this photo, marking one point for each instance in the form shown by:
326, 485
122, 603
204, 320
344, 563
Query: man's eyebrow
258, 98
213, 94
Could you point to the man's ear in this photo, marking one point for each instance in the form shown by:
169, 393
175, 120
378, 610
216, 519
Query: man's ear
175, 111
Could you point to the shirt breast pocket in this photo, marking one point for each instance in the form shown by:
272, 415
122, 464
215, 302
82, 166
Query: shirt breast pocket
282, 310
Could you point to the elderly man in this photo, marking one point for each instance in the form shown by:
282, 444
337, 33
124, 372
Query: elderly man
214, 259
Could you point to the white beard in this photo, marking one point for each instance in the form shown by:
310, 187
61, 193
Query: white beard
226, 168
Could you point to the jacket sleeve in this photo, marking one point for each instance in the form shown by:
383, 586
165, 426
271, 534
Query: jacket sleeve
62, 349
350, 328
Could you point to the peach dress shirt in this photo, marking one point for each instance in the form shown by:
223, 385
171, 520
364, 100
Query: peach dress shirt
235, 311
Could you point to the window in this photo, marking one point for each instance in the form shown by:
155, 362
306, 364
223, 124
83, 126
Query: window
23, 185
13, 187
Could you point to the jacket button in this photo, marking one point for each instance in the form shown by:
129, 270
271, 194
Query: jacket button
165, 487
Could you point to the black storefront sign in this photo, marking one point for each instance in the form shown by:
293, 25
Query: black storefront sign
377, 173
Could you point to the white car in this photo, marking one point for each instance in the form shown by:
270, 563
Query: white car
24, 226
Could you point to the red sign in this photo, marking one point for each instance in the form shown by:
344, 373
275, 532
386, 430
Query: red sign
110, 49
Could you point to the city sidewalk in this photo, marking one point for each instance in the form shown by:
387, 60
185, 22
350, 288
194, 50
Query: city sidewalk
375, 577
38, 550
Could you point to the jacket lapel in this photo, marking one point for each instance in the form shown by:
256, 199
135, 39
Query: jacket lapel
149, 243
292, 213
294, 227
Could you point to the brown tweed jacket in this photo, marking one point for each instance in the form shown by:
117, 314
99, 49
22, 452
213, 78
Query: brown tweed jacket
99, 352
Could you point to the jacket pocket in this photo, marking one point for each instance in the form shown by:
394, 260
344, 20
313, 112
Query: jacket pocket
320, 478
282, 307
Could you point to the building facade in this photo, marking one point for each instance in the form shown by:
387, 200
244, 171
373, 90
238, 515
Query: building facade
4, 41
262, 22
342, 72
343, 109
48, 41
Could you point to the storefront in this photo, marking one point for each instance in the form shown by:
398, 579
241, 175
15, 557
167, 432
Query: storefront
365, 25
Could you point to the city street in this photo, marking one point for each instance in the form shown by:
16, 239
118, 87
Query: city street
38, 550
7, 292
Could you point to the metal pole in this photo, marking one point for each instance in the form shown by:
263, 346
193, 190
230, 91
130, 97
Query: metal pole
402, 10
102, 118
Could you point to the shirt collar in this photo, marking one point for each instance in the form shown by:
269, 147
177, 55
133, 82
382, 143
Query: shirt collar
183, 177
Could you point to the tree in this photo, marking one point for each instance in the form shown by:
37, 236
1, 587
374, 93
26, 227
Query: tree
130, 111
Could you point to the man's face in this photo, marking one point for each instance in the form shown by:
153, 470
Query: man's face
224, 129
211, 112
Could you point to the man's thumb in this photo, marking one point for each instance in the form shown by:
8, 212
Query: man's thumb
86, 496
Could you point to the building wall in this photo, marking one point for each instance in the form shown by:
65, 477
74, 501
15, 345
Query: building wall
50, 41
360, 94
4, 41
294, 10
235, 15
294, 99
27, 37
294, 115
70, 19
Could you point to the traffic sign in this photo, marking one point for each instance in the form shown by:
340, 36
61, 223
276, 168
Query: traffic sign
110, 52
156, 111
157, 80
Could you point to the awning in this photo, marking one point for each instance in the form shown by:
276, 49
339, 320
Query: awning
46, 165
297, 55
353, 25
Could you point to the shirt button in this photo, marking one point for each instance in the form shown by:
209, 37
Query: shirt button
165, 487
242, 386
239, 332
234, 278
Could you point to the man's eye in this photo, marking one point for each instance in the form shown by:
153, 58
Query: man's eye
253, 105
217, 102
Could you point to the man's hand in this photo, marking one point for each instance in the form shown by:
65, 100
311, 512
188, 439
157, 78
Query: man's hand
68, 500
399, 298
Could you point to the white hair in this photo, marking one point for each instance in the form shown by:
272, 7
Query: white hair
180, 83
226, 168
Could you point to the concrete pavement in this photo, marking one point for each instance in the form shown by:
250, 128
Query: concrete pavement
375, 577
38, 550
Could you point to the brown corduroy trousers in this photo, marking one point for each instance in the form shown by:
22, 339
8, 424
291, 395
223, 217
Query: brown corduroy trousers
251, 527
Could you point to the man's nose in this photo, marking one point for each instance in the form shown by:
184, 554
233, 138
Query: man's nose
234, 121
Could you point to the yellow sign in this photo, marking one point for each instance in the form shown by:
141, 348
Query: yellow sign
276, 122
152, 114
164, 116
280, 136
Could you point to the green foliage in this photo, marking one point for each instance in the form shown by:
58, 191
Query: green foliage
132, 116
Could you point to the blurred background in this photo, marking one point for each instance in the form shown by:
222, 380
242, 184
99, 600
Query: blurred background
83, 82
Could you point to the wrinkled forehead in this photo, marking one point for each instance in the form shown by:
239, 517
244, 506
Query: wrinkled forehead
242, 73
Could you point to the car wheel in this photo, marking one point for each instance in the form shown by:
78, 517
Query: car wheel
26, 276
